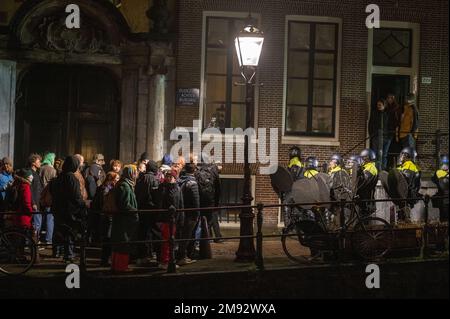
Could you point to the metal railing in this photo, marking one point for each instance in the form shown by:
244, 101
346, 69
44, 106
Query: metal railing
259, 236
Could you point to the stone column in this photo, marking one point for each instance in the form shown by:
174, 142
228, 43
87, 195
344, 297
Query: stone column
161, 102
7, 107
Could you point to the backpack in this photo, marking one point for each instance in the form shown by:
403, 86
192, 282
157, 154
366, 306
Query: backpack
205, 180
109, 203
12, 197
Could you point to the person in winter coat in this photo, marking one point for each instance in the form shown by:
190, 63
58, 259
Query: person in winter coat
125, 221
95, 175
191, 199
170, 196
23, 181
409, 123
6, 181
148, 197
47, 173
68, 206
34, 164
80, 177
105, 226
115, 166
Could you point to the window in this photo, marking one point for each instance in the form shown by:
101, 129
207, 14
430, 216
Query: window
223, 102
231, 190
392, 47
311, 86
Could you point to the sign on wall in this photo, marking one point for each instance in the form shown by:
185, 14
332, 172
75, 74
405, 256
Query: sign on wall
188, 97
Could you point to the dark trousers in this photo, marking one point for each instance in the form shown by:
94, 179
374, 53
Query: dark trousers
105, 237
186, 248
213, 224
148, 230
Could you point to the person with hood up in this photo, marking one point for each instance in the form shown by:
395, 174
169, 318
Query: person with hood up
126, 220
170, 196
191, 199
148, 197
68, 206
47, 173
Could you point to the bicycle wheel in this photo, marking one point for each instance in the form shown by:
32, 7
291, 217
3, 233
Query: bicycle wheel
372, 238
17, 253
292, 247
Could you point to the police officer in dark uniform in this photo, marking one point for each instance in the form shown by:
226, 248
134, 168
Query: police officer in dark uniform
367, 178
351, 162
440, 178
311, 167
411, 172
295, 166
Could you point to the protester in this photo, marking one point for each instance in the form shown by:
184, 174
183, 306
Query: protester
379, 131
125, 221
105, 226
68, 206
6, 181
115, 166
79, 176
47, 173
170, 196
34, 164
191, 199
148, 197
23, 182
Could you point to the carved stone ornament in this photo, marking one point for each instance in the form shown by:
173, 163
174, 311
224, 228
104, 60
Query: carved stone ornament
52, 34
42, 25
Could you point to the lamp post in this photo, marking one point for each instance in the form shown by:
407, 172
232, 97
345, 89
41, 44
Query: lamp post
248, 42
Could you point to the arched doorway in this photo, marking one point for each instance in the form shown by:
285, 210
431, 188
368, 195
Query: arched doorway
67, 109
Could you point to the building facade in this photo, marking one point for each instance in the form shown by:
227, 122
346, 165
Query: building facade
111, 86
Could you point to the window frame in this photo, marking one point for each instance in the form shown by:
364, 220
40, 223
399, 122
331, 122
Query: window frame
308, 137
410, 49
202, 106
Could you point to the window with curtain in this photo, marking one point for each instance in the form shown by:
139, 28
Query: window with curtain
311, 78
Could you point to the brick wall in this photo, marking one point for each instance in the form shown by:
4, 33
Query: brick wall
433, 99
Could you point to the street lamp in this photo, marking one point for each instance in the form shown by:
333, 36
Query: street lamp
248, 43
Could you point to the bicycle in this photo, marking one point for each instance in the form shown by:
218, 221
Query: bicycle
18, 251
370, 237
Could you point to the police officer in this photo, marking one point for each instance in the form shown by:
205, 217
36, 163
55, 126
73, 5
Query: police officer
295, 167
367, 180
351, 162
411, 172
440, 178
311, 166
335, 164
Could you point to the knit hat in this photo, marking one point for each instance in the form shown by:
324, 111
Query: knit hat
24, 173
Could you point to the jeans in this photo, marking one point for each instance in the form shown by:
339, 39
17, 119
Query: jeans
386, 145
37, 225
408, 141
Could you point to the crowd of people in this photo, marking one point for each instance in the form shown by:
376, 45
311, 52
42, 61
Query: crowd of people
356, 178
391, 123
111, 206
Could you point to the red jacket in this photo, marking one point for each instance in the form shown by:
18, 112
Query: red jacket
24, 206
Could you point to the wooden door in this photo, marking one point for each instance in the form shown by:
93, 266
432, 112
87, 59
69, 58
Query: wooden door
67, 110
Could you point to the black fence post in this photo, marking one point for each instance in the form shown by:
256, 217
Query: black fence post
424, 249
342, 228
172, 267
259, 261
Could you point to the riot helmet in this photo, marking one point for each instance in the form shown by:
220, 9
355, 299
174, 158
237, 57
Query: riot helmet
336, 159
407, 153
294, 151
443, 162
351, 161
368, 155
312, 163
